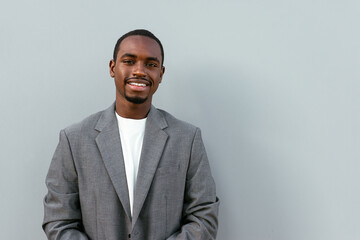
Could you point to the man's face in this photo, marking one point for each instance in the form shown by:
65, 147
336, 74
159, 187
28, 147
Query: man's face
137, 70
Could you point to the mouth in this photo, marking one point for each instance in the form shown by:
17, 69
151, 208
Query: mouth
138, 84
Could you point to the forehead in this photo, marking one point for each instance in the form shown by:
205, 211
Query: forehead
140, 46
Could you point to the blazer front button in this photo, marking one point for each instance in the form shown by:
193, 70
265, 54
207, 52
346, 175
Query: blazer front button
129, 235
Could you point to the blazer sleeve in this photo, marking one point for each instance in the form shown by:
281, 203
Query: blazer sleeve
62, 213
200, 210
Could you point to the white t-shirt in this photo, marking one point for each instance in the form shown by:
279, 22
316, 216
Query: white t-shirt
131, 136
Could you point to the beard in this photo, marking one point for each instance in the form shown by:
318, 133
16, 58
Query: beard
136, 100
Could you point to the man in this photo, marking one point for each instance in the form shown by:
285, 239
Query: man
131, 171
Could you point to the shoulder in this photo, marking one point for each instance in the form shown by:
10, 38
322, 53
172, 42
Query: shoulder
176, 125
85, 126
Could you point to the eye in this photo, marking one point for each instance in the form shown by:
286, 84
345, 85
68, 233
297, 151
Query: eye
127, 61
151, 64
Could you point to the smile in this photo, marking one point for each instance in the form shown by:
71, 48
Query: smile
137, 84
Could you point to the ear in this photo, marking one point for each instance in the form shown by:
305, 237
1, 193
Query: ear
112, 68
162, 73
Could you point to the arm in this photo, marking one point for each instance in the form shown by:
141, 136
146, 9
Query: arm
201, 205
62, 213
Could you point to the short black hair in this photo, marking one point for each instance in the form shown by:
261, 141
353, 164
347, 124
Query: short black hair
138, 32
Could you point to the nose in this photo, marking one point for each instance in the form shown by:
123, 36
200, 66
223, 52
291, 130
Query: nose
139, 70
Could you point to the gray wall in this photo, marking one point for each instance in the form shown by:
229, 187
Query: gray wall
274, 86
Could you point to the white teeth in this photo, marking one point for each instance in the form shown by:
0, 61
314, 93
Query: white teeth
138, 84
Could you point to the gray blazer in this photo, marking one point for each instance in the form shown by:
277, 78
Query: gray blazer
87, 188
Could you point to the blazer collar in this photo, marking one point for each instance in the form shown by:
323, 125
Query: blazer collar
109, 144
155, 139
108, 117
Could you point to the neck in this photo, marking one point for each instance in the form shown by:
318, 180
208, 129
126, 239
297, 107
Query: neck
127, 109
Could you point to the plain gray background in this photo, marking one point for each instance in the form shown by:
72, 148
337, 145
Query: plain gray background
274, 86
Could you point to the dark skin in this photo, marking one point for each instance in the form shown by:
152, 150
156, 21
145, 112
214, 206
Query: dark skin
137, 72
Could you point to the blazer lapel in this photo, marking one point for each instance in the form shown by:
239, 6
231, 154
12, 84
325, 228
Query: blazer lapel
108, 142
153, 145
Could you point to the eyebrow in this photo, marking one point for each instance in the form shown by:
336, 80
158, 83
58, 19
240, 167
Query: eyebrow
128, 55
134, 56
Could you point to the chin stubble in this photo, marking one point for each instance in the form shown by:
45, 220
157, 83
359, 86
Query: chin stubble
135, 100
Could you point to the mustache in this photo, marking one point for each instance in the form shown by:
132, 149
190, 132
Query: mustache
137, 78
